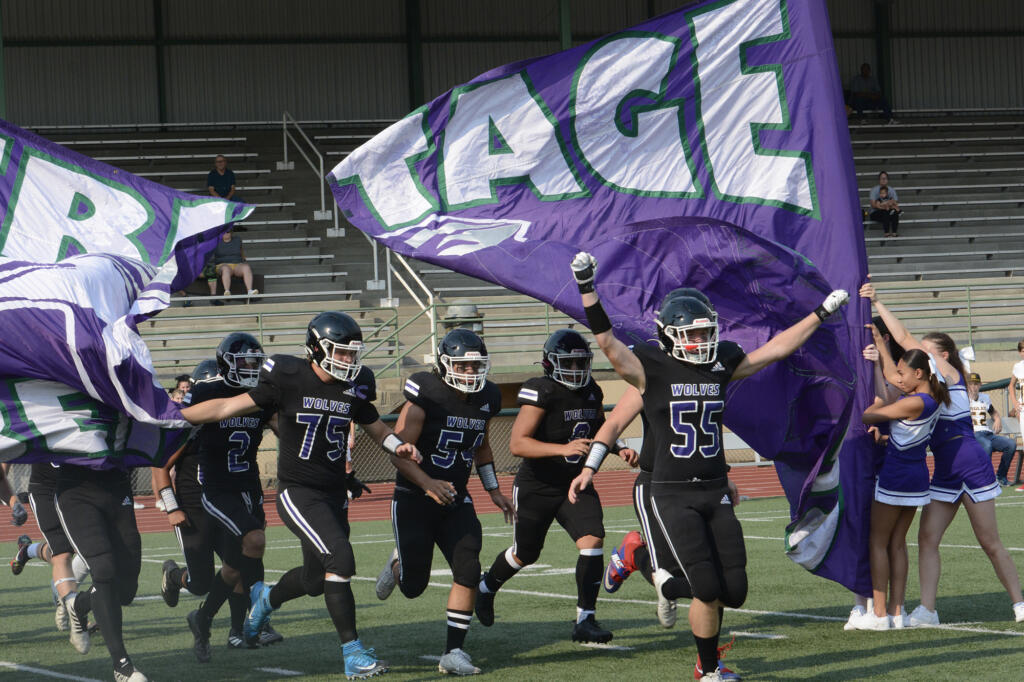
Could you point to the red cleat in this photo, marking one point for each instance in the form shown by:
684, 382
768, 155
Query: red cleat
621, 564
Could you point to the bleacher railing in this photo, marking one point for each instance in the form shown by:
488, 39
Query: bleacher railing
317, 168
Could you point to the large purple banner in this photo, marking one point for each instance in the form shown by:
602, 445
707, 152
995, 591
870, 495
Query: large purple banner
87, 252
707, 147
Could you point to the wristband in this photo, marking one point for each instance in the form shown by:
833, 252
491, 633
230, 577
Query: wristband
597, 319
821, 312
391, 443
618, 447
597, 453
487, 476
169, 500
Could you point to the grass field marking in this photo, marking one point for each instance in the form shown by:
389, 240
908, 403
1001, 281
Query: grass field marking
755, 635
607, 647
280, 671
45, 672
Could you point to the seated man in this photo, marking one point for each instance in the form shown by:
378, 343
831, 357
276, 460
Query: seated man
866, 93
981, 408
228, 262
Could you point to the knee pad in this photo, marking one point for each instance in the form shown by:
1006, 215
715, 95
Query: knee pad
414, 586
466, 570
734, 589
199, 583
341, 561
313, 581
528, 554
704, 581
126, 590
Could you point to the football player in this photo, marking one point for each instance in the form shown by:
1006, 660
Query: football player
315, 400
54, 548
559, 414
96, 510
231, 497
446, 415
690, 497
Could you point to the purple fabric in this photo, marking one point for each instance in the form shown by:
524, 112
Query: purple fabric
764, 263
87, 252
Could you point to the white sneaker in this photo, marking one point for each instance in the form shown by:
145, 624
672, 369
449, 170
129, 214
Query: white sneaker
713, 676
855, 614
79, 627
254, 292
921, 616
666, 607
457, 662
901, 620
386, 579
869, 621
1018, 611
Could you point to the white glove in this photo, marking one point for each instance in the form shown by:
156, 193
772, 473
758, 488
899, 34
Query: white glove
583, 268
832, 302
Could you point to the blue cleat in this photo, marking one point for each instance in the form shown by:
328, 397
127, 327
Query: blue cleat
259, 612
621, 564
361, 663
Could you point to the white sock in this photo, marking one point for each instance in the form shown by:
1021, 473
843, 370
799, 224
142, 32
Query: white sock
581, 615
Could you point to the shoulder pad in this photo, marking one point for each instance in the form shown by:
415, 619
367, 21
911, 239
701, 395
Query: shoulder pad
534, 391
283, 364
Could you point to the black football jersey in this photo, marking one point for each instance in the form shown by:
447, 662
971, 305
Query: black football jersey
313, 419
227, 449
42, 479
453, 426
683, 404
569, 414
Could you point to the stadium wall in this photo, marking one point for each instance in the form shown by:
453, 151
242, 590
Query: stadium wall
125, 61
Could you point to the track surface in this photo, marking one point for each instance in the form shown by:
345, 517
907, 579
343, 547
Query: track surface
615, 488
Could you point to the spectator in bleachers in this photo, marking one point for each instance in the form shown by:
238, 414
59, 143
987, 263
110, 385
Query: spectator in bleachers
229, 262
885, 208
183, 382
866, 93
220, 182
981, 409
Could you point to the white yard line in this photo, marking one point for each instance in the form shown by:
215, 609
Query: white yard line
43, 671
280, 671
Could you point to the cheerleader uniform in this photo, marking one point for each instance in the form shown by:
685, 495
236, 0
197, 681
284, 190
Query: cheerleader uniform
903, 479
961, 463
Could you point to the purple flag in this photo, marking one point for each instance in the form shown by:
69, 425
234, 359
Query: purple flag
707, 147
87, 252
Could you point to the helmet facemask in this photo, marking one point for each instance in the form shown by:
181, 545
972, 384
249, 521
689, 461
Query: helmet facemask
466, 382
696, 342
339, 369
572, 370
243, 368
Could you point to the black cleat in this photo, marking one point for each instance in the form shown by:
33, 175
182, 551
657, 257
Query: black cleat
169, 589
200, 627
589, 630
19, 560
485, 608
269, 635
237, 641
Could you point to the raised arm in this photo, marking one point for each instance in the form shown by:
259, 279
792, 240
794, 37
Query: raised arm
625, 363
210, 411
785, 343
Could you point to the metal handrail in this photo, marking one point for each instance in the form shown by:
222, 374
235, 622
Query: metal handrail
318, 169
430, 305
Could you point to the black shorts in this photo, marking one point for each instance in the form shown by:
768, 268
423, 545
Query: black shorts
704, 537
49, 523
419, 524
658, 548
238, 512
97, 512
320, 520
537, 505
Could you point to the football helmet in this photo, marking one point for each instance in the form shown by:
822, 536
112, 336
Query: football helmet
692, 293
688, 329
462, 347
239, 357
567, 358
207, 369
329, 333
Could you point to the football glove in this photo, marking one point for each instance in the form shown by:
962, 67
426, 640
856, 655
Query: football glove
832, 302
18, 514
356, 487
583, 267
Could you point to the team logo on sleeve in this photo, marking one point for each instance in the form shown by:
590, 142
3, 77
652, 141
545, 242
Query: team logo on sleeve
268, 365
411, 387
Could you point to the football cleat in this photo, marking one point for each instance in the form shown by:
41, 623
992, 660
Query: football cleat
723, 672
236, 641
200, 627
269, 635
125, 671
169, 590
361, 663
21, 558
60, 616
485, 607
79, 626
666, 607
259, 611
589, 630
620, 565
457, 662
386, 578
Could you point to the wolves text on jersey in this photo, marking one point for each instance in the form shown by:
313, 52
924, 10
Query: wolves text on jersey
454, 422
241, 423
579, 414
326, 405
696, 390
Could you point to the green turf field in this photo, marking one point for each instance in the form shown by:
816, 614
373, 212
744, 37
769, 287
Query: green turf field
790, 627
